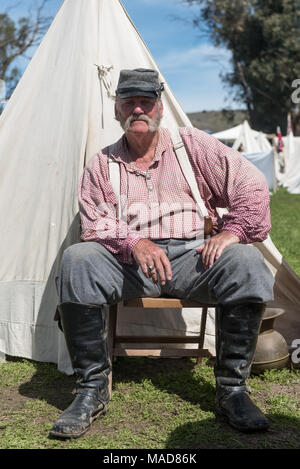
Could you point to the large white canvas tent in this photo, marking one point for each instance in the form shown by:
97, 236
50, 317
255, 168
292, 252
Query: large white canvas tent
60, 114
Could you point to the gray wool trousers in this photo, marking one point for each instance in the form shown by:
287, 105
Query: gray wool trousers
90, 274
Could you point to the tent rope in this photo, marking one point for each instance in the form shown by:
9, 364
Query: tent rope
105, 78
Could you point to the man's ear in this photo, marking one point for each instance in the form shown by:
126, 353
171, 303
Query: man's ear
116, 112
161, 111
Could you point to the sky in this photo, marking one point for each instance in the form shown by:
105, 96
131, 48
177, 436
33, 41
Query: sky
190, 64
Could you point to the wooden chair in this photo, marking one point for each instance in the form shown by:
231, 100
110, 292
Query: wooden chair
117, 347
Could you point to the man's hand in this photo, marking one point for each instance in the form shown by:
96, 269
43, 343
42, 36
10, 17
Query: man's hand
213, 247
148, 255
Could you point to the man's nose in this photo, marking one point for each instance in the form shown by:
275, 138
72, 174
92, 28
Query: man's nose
138, 109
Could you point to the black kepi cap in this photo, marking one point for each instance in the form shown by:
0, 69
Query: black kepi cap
139, 82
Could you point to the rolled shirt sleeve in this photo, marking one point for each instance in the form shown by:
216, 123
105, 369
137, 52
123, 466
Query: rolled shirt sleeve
226, 179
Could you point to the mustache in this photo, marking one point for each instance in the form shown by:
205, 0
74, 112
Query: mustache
152, 123
138, 117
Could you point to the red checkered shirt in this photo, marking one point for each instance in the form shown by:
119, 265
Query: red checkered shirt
158, 203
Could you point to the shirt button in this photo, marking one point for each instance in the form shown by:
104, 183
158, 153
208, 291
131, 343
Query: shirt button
148, 176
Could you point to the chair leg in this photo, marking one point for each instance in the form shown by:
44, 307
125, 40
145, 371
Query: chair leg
113, 312
202, 331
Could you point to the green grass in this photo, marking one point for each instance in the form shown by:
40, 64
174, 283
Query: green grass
157, 403
285, 232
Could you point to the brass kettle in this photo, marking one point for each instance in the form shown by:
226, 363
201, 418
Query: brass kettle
271, 349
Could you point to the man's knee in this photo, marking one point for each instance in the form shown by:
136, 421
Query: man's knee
244, 257
244, 275
79, 272
247, 264
78, 254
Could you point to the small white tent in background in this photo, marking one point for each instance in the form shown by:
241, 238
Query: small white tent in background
234, 133
60, 114
251, 140
290, 178
258, 150
254, 146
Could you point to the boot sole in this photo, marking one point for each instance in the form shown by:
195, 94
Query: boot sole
65, 436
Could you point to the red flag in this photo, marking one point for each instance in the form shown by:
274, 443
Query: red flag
280, 143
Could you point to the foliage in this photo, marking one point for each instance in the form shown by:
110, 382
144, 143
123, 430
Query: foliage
264, 39
17, 38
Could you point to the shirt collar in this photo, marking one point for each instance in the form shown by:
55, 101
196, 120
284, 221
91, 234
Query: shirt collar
121, 154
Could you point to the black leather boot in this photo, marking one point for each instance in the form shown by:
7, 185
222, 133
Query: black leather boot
85, 328
237, 328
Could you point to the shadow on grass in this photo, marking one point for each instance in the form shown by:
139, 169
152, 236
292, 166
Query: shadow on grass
176, 376
49, 385
217, 434
172, 375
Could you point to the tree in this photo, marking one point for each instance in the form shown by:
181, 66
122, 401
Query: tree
16, 40
264, 39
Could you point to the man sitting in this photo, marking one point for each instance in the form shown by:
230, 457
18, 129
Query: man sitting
156, 248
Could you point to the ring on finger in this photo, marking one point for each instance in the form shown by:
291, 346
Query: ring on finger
151, 269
